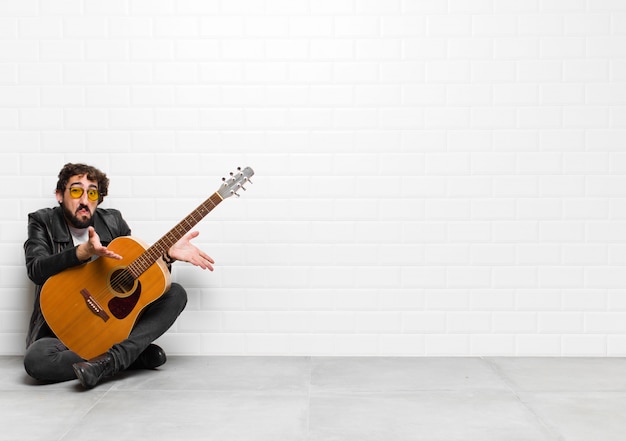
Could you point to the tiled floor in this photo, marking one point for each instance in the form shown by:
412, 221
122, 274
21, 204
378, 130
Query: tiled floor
327, 399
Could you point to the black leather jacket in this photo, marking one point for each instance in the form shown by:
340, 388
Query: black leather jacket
49, 250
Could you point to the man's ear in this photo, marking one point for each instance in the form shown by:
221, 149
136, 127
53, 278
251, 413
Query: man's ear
59, 196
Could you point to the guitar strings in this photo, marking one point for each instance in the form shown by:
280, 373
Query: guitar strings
125, 277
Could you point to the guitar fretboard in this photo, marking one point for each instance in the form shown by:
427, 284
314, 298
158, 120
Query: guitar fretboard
158, 249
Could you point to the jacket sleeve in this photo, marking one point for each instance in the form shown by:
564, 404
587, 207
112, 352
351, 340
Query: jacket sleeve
41, 259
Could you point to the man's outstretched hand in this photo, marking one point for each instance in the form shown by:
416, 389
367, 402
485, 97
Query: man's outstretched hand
186, 251
93, 247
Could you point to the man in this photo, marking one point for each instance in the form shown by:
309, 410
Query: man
69, 235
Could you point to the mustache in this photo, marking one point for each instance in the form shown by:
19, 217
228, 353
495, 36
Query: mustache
83, 207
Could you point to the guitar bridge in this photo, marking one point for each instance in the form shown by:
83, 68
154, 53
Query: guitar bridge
93, 305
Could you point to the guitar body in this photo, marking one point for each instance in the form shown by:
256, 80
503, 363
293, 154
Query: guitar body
94, 306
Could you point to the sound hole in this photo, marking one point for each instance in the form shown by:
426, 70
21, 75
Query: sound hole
122, 282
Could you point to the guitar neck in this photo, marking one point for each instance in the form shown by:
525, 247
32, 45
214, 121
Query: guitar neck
158, 249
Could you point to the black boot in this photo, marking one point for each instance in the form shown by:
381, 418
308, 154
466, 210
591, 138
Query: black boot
91, 372
152, 357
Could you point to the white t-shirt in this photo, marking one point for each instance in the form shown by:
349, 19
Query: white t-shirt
79, 235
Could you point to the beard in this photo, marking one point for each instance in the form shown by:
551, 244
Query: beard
76, 220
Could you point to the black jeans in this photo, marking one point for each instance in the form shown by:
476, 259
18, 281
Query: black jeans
49, 360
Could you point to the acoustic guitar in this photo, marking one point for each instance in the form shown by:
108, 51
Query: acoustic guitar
95, 305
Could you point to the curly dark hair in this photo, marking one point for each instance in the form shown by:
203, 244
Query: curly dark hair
93, 174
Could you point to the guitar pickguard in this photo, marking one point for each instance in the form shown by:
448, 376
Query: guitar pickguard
120, 307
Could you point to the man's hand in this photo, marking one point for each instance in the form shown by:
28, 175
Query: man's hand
93, 247
184, 250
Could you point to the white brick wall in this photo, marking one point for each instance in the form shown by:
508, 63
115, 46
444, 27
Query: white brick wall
441, 177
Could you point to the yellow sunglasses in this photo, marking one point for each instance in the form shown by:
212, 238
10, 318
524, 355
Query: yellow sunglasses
77, 192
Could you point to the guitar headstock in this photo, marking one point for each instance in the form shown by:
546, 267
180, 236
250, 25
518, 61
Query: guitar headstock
236, 181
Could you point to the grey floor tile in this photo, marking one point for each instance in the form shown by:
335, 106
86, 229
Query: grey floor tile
44, 414
582, 416
194, 415
223, 373
427, 416
563, 374
396, 374
327, 399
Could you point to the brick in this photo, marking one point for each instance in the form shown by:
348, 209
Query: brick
562, 231
515, 277
449, 25
447, 345
535, 345
472, 49
514, 322
109, 141
41, 119
516, 140
176, 26
40, 74
517, 48
152, 7
545, 71
151, 49
85, 27
605, 140
540, 24
587, 24
85, 119
310, 26
194, 50
538, 254
85, 73
561, 277
492, 118
20, 96
490, 25
468, 322
129, 26
390, 26
584, 345
585, 70
424, 48
497, 254
515, 95
539, 209
131, 119
486, 344
585, 300
37, 27
468, 277
423, 322
492, 300
99, 96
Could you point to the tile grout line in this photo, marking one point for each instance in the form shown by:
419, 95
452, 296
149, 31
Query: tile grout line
493, 366
307, 428
79, 421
